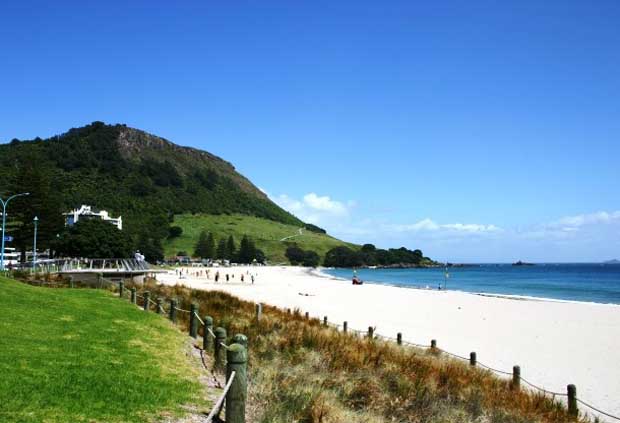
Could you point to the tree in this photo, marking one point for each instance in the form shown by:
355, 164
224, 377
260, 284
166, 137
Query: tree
314, 228
175, 231
311, 259
247, 250
369, 248
151, 248
260, 256
294, 254
230, 248
34, 176
205, 246
221, 249
210, 250
342, 257
94, 239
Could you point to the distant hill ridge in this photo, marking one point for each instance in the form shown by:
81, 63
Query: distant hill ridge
125, 163
145, 178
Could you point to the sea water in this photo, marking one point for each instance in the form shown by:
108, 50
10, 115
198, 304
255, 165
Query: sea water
598, 283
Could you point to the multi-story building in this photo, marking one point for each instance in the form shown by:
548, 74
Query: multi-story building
87, 212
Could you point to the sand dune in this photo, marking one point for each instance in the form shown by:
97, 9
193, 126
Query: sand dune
554, 342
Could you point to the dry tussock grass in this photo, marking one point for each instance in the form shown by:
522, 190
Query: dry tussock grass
301, 371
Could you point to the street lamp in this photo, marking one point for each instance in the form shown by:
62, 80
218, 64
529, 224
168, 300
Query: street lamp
4, 206
34, 250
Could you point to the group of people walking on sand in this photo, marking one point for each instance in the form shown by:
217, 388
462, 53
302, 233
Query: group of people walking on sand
206, 273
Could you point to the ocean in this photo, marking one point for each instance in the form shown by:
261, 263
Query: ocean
599, 283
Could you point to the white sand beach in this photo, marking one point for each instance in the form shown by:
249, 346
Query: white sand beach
554, 342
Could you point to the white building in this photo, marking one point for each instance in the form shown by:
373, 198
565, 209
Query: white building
87, 212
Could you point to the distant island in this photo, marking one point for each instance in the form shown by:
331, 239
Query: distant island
522, 263
614, 261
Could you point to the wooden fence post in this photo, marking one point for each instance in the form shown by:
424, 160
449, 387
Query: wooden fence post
325, 321
371, 332
516, 377
399, 338
345, 326
240, 338
259, 311
193, 321
158, 306
307, 315
146, 296
173, 310
572, 400
237, 359
472, 358
207, 339
219, 351
133, 295
121, 289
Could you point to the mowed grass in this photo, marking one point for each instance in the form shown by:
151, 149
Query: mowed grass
265, 233
84, 355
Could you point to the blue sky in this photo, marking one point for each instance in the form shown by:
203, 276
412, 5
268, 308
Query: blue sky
476, 131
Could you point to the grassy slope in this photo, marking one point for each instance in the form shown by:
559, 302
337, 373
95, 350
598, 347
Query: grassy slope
266, 233
83, 355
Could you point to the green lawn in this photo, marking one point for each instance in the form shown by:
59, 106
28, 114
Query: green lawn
266, 233
83, 355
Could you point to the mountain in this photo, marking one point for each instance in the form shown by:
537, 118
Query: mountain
145, 178
614, 261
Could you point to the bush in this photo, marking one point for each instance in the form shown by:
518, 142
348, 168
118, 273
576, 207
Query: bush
295, 255
175, 232
311, 259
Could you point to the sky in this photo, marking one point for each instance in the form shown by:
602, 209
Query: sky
477, 131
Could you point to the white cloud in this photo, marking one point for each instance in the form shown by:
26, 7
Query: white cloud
571, 227
601, 217
314, 208
429, 225
324, 204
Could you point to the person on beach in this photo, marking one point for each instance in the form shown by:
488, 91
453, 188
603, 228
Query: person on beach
227, 277
242, 277
357, 281
252, 279
217, 276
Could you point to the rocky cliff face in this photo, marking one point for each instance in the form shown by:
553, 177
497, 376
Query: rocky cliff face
135, 145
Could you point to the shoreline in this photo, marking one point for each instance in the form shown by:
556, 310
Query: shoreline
318, 272
556, 343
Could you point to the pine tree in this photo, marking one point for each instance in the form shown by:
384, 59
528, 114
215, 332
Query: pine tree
210, 247
230, 248
35, 177
221, 249
201, 246
247, 250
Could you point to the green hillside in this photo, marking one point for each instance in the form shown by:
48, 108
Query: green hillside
145, 178
83, 355
266, 233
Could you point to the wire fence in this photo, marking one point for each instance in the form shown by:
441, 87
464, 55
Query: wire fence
544, 391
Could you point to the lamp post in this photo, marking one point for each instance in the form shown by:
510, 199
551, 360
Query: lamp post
4, 206
34, 249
